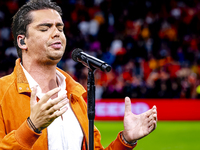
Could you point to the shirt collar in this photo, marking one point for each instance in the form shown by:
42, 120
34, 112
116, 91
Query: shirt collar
32, 83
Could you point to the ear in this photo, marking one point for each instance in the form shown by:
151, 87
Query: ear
21, 41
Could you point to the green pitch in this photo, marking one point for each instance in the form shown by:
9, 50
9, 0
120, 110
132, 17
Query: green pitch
169, 135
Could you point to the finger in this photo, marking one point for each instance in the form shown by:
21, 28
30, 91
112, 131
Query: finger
127, 105
151, 128
152, 125
148, 113
54, 101
152, 117
58, 106
33, 99
155, 117
155, 124
151, 111
154, 109
49, 94
153, 120
59, 113
155, 113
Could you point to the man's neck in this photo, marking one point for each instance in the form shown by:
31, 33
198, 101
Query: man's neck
44, 75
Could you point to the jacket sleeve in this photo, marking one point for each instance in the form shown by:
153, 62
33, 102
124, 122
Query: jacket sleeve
23, 138
116, 144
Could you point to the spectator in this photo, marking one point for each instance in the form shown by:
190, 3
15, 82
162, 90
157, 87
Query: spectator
152, 35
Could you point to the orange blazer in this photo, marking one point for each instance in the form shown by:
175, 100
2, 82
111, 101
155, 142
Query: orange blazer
15, 108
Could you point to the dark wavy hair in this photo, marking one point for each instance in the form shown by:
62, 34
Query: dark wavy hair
23, 18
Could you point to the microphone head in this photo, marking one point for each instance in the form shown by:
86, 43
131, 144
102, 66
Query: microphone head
75, 54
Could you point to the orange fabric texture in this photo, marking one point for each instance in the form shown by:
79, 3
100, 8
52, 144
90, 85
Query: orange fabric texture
15, 108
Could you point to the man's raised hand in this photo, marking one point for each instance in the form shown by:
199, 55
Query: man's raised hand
138, 126
45, 111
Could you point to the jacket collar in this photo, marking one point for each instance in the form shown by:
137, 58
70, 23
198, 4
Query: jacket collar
22, 83
72, 86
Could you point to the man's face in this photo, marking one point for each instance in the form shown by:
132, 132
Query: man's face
46, 41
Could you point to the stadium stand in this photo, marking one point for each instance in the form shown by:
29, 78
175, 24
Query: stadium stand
153, 46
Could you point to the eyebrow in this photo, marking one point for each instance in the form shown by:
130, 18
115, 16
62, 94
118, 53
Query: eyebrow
50, 24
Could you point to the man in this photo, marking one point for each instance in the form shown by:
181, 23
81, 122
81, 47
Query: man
42, 106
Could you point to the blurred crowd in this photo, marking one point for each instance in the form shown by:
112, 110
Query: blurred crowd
153, 46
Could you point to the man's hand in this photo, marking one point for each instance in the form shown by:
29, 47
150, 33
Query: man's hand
44, 112
138, 126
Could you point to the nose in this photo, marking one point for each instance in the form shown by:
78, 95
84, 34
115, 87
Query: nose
56, 32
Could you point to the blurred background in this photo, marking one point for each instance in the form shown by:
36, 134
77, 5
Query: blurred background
153, 46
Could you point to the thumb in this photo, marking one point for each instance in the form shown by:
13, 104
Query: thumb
33, 99
127, 105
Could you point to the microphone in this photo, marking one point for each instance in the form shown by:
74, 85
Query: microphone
89, 61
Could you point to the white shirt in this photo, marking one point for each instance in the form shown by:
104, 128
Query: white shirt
63, 134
